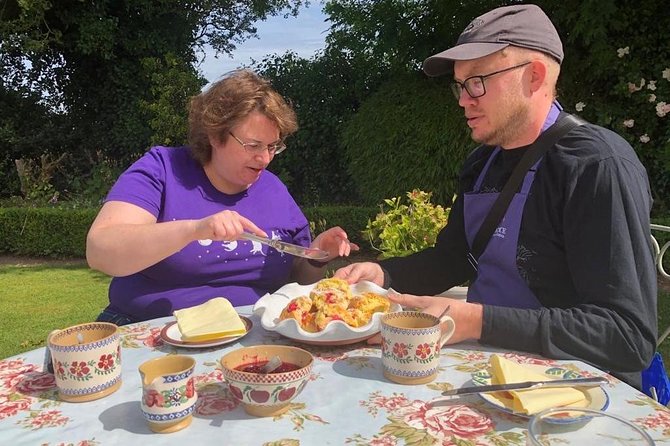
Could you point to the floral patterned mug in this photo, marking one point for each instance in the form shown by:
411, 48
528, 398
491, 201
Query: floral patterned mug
168, 392
411, 343
86, 361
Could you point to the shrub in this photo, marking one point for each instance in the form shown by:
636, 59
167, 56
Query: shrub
352, 219
410, 134
401, 229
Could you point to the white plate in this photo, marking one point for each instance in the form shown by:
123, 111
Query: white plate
171, 335
596, 397
270, 306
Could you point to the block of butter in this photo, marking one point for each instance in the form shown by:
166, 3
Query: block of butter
214, 319
531, 401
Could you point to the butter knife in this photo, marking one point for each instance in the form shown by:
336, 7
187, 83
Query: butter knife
573, 382
288, 248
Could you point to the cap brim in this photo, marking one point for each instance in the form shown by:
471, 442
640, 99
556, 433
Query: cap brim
443, 63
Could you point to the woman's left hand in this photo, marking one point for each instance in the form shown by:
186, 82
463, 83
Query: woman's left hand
335, 241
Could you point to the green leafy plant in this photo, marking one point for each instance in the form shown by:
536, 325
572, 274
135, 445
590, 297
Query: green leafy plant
403, 228
36, 178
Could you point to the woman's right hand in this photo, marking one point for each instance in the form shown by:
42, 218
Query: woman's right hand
361, 271
225, 225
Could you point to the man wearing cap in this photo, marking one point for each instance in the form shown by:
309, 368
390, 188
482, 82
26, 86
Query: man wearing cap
568, 272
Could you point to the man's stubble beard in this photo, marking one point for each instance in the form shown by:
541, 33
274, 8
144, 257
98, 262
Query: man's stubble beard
514, 115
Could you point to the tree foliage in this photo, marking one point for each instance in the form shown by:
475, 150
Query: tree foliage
324, 94
364, 49
109, 70
107, 78
397, 35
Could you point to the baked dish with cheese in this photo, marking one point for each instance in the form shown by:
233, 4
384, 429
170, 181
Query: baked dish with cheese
332, 300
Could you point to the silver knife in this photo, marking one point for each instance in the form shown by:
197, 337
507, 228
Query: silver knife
573, 382
288, 248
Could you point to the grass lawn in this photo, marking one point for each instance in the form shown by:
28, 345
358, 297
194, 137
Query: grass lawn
35, 299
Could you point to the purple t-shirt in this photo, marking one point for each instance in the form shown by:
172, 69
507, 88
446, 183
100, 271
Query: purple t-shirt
171, 185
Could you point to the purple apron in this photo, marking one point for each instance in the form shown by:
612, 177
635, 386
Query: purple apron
498, 281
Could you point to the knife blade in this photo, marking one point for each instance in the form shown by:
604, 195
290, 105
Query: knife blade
573, 382
288, 248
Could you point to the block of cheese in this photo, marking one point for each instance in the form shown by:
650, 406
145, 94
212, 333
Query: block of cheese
214, 319
530, 401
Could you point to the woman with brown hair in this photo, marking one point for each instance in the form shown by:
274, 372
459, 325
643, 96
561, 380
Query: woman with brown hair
169, 231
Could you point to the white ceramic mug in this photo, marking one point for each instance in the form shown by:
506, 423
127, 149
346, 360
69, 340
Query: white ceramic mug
411, 343
86, 361
168, 392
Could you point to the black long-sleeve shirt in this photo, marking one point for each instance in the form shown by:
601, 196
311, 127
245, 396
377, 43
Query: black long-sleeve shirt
584, 250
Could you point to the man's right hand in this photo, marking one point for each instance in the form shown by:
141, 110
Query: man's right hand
361, 271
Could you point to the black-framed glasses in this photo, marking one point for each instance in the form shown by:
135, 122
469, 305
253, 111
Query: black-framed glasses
475, 86
256, 148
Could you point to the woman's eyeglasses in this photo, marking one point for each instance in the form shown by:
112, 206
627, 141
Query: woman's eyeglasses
255, 147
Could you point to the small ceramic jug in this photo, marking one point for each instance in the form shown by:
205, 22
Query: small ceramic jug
168, 392
411, 343
86, 361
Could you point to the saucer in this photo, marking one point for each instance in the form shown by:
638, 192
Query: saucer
170, 334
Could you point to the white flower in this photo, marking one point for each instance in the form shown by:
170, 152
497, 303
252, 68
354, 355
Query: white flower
652, 98
622, 52
651, 86
666, 74
579, 106
644, 138
629, 123
662, 109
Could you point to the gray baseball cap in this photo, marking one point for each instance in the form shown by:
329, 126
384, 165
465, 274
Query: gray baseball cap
525, 26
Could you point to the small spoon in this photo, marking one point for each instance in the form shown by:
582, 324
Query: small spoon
446, 310
272, 365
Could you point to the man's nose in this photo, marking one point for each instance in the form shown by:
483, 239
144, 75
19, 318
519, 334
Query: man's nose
465, 99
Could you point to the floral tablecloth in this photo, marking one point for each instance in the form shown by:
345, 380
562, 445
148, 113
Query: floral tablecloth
347, 401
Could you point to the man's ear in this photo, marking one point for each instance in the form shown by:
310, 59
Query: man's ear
538, 75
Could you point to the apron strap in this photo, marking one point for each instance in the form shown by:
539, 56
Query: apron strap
534, 153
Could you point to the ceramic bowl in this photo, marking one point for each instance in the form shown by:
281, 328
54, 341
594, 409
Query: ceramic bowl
265, 395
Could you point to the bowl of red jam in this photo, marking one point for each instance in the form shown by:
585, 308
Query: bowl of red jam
266, 394
259, 367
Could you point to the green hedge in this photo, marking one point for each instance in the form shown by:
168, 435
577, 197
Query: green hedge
45, 232
408, 135
352, 219
61, 233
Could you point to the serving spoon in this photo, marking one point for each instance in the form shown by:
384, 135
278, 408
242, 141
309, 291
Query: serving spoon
272, 365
